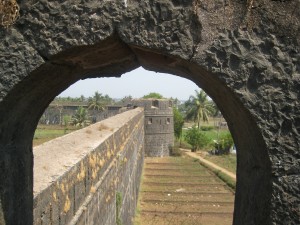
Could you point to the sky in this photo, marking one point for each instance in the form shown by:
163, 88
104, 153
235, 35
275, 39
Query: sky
136, 83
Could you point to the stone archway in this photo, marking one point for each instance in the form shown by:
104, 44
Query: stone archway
236, 51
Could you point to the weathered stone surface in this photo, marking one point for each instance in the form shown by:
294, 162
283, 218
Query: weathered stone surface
244, 54
159, 126
15, 52
80, 174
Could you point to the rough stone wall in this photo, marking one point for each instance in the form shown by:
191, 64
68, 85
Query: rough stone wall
159, 126
244, 54
77, 183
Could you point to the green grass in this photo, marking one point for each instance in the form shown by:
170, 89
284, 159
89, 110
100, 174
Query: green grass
228, 180
137, 216
227, 162
210, 134
211, 122
46, 133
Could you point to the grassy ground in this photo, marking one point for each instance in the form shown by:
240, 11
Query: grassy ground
226, 161
210, 134
179, 191
210, 131
211, 122
45, 133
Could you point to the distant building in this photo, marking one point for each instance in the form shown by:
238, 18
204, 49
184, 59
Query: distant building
56, 111
159, 126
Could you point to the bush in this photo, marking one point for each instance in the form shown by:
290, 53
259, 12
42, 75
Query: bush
206, 128
178, 123
185, 145
196, 138
224, 144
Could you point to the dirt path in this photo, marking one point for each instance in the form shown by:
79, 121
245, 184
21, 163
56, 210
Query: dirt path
179, 191
195, 155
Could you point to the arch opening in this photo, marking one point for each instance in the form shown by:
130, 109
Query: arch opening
28, 100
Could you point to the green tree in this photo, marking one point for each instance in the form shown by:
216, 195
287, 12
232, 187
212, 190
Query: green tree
96, 102
198, 107
178, 123
66, 120
107, 100
215, 110
81, 118
176, 102
126, 99
60, 109
153, 95
196, 138
224, 143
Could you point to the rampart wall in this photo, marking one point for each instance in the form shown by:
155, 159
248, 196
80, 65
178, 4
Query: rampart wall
91, 176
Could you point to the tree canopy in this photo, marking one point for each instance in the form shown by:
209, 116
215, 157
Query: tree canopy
99, 101
178, 123
198, 107
81, 118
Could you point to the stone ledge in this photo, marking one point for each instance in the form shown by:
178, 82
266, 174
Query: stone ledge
71, 171
68, 150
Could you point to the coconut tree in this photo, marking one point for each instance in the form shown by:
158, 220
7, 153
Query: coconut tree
81, 117
199, 108
96, 102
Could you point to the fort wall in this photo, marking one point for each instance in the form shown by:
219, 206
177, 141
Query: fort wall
91, 176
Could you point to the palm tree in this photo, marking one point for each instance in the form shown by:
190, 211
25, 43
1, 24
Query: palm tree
96, 102
60, 108
198, 107
107, 100
80, 118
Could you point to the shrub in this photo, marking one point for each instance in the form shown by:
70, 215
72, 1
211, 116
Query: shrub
196, 138
185, 145
224, 144
206, 128
178, 123
66, 120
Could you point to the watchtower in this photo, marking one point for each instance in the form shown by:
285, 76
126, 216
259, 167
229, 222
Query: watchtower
159, 126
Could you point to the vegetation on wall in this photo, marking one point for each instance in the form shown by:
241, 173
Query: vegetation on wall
153, 95
118, 208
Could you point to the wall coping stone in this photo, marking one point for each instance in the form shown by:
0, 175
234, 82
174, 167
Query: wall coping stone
54, 158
